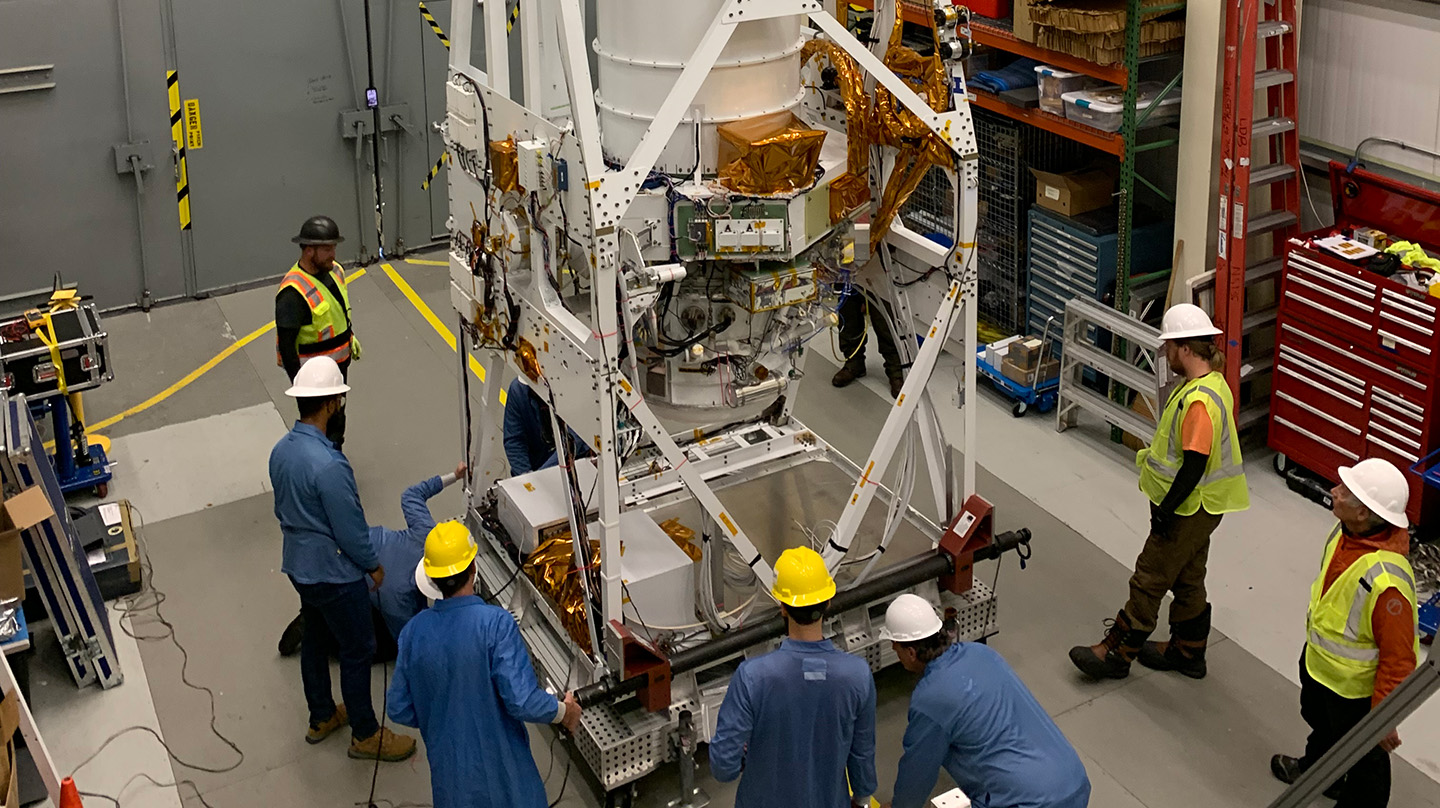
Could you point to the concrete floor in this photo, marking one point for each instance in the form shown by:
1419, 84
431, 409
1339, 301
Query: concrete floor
194, 463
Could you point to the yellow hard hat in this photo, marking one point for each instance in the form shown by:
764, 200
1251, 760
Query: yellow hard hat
449, 549
801, 578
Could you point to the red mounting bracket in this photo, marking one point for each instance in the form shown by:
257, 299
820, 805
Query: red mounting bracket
639, 658
972, 530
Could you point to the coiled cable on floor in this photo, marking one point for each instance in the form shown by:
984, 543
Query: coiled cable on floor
149, 599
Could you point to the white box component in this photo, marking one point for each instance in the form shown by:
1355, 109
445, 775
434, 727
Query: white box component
749, 235
534, 175
995, 351
533, 507
659, 577
954, 798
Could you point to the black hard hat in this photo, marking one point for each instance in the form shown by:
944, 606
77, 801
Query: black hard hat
318, 230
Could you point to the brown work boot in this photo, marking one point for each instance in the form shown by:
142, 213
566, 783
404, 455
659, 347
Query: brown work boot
1110, 658
848, 372
896, 382
1185, 652
383, 745
319, 732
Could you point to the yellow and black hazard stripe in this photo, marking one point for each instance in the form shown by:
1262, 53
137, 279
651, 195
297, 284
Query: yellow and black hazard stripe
177, 138
435, 169
514, 17
434, 26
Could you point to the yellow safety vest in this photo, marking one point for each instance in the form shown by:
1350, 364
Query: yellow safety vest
328, 333
1223, 488
1340, 649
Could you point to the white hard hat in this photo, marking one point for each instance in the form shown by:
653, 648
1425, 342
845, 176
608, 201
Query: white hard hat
426, 586
1380, 487
1186, 321
909, 617
319, 376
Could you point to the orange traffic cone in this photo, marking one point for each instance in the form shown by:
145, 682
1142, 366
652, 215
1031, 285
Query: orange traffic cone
69, 795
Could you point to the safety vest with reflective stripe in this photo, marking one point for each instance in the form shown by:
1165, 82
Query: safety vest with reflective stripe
1223, 488
1340, 650
328, 333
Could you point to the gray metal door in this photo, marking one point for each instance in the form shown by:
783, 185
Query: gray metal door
280, 108
70, 123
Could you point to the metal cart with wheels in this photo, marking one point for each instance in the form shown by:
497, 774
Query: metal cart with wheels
1042, 396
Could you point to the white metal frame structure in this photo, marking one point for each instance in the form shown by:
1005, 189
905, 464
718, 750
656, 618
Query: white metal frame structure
579, 352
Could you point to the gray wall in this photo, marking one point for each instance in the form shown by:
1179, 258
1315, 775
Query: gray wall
273, 78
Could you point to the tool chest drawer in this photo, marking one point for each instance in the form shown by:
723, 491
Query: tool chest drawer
1360, 306
1337, 401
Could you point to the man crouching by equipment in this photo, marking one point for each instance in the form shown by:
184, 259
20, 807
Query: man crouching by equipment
464, 678
972, 715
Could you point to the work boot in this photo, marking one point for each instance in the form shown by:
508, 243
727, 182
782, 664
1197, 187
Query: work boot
896, 382
383, 745
292, 635
1287, 770
321, 731
1185, 652
848, 372
1110, 658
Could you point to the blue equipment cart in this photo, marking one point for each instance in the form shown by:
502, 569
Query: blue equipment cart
1042, 396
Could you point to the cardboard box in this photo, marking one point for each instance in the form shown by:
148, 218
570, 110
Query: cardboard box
9, 723
1138, 442
24, 510
1046, 371
1023, 27
1075, 192
1025, 353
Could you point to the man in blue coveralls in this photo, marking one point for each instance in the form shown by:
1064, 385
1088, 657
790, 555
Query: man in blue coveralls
400, 597
465, 679
801, 719
971, 714
327, 556
529, 435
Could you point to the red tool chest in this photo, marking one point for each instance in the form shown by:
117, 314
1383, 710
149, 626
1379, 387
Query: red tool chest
1357, 355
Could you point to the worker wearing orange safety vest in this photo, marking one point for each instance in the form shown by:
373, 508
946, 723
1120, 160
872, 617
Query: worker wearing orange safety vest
1192, 474
312, 309
1360, 629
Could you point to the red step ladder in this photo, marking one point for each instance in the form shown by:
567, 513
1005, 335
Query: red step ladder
1255, 154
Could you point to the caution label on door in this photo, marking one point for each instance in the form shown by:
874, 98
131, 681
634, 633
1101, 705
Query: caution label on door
194, 137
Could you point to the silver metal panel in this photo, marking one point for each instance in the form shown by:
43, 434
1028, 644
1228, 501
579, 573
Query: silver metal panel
63, 208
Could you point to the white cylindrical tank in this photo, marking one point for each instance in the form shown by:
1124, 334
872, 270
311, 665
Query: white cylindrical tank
644, 44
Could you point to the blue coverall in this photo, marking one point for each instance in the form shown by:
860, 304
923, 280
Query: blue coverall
398, 599
327, 553
971, 714
464, 678
529, 437
796, 722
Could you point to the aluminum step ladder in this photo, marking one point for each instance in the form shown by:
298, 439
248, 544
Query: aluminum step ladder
1091, 327
1256, 154
54, 555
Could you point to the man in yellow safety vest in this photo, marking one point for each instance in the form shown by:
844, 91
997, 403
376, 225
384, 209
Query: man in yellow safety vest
312, 309
1360, 630
1192, 474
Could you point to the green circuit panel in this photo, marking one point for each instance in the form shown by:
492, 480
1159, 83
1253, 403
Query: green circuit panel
695, 230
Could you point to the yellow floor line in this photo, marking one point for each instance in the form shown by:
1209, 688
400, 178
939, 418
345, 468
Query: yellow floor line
420, 306
196, 373
427, 262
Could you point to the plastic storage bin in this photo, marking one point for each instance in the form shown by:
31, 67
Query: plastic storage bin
1104, 107
1054, 83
